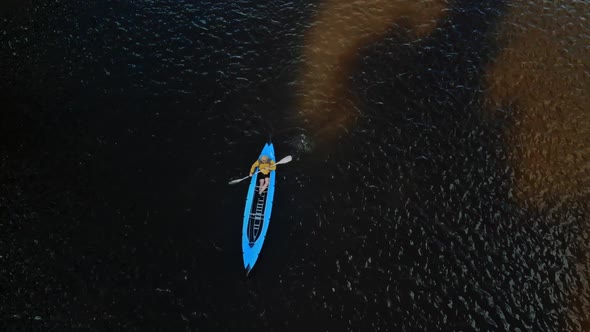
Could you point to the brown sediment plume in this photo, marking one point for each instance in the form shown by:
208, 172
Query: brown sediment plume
542, 74
331, 45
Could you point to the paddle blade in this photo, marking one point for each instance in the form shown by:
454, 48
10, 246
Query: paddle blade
284, 160
238, 180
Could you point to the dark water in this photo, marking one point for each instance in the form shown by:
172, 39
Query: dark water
440, 175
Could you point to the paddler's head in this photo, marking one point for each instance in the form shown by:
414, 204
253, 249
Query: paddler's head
264, 159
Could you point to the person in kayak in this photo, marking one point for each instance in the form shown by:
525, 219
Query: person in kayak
265, 165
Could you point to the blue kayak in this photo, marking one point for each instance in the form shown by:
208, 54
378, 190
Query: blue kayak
257, 214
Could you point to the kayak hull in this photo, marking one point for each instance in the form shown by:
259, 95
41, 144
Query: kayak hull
257, 211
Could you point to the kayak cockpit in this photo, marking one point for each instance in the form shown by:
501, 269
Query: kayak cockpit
256, 219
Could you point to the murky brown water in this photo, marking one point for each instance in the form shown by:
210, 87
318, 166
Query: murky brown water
541, 78
331, 46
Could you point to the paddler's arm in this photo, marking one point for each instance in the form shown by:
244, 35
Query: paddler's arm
253, 167
273, 166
